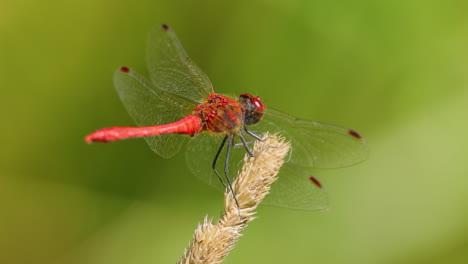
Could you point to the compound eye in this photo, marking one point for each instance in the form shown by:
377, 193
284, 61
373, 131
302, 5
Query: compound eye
258, 104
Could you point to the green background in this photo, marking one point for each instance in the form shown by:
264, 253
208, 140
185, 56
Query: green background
396, 71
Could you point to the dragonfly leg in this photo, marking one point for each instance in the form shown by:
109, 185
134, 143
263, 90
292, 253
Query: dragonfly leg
236, 145
245, 143
226, 168
215, 161
257, 137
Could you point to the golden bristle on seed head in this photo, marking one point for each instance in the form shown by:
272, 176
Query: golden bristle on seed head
211, 242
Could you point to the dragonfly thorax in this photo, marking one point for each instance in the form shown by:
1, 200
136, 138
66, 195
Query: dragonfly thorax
220, 114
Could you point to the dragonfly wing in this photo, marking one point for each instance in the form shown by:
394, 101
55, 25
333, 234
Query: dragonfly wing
149, 106
295, 190
200, 153
172, 69
315, 144
292, 190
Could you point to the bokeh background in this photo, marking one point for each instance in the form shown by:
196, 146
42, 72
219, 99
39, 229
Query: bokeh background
396, 71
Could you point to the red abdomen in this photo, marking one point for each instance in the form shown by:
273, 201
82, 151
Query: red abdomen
188, 125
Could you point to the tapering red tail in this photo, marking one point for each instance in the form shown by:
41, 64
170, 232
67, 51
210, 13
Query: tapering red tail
190, 124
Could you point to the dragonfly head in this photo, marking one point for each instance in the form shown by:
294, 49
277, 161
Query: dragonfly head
252, 107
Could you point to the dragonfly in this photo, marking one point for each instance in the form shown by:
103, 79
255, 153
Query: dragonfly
177, 103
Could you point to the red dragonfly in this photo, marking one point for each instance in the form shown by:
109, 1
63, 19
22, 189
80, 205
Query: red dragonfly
179, 99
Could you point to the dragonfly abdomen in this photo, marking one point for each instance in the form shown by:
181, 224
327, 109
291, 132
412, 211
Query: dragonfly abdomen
190, 125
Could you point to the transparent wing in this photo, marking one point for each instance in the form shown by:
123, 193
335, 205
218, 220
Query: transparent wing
295, 190
315, 144
171, 68
149, 106
200, 153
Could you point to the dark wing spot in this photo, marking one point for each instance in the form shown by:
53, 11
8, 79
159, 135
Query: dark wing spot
354, 134
124, 69
166, 27
315, 181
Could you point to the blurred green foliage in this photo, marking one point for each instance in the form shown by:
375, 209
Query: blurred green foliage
396, 71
